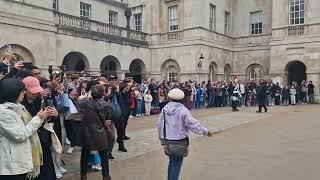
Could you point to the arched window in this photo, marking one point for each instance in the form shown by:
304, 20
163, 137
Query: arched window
227, 71
172, 73
255, 72
212, 73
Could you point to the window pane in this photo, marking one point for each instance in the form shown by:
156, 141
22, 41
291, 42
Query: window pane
292, 21
296, 21
301, 14
301, 20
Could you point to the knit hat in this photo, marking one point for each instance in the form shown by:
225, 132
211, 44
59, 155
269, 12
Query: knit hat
176, 94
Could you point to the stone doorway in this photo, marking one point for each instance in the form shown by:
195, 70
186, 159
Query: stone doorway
138, 70
295, 71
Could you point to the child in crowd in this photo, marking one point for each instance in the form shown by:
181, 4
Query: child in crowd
138, 96
148, 99
133, 103
293, 93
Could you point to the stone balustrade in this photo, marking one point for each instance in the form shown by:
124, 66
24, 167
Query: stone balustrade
73, 25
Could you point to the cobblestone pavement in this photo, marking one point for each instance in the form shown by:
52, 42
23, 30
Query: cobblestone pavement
281, 145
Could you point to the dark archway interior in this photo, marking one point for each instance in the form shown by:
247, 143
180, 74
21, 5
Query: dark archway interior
296, 72
74, 62
137, 70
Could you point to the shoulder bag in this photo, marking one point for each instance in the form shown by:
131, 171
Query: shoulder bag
177, 148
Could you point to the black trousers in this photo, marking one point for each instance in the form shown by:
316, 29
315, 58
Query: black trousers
47, 171
14, 177
104, 161
234, 105
119, 124
262, 103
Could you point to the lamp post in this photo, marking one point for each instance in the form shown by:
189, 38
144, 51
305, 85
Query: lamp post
201, 58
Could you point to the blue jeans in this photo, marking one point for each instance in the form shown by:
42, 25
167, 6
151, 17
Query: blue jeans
174, 167
139, 106
211, 101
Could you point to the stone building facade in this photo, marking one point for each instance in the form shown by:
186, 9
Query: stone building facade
171, 39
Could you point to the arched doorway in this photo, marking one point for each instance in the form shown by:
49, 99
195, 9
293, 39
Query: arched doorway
170, 70
295, 71
20, 52
75, 62
212, 75
227, 72
110, 65
255, 72
138, 70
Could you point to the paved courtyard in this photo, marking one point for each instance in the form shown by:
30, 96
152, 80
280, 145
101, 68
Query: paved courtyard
282, 144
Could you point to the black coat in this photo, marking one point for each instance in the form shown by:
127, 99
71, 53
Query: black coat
262, 93
94, 132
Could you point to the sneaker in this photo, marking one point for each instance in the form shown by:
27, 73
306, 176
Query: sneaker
96, 167
58, 175
70, 150
110, 156
62, 170
130, 116
67, 141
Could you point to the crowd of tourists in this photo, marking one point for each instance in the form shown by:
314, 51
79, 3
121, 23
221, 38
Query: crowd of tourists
39, 115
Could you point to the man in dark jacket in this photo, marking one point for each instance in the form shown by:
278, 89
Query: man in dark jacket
262, 96
124, 102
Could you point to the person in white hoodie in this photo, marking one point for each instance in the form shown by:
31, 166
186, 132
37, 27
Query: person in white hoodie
20, 149
148, 99
242, 94
293, 93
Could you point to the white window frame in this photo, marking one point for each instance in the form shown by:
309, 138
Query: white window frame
227, 17
85, 10
296, 12
172, 73
55, 5
173, 18
137, 21
212, 17
113, 17
256, 25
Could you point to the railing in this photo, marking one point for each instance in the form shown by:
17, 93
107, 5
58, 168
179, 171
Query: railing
86, 27
171, 36
296, 31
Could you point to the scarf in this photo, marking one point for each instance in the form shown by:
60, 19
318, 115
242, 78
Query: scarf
35, 146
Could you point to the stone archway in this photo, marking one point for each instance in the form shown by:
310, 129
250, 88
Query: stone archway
212, 75
76, 62
110, 65
20, 52
170, 70
295, 71
138, 70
